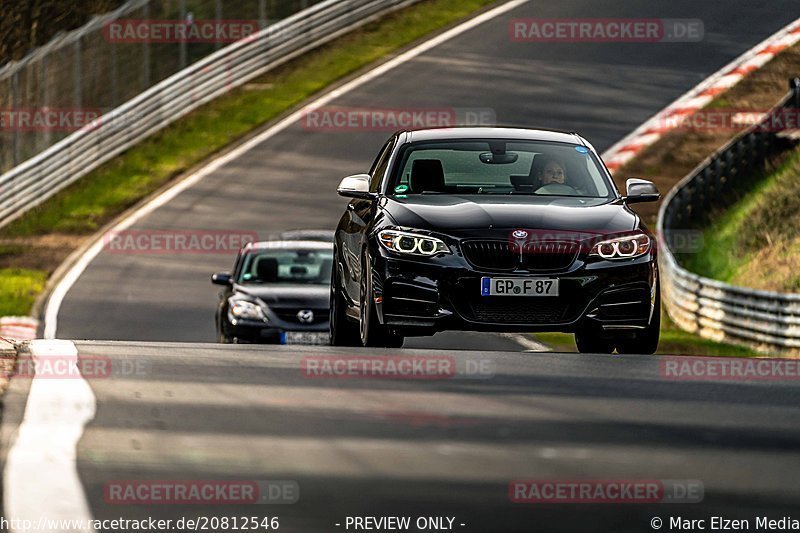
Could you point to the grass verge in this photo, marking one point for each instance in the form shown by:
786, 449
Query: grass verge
40, 240
19, 288
756, 241
673, 341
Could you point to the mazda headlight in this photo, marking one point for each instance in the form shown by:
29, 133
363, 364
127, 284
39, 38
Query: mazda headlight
622, 247
246, 310
410, 243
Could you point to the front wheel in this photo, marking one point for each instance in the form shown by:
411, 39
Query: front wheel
372, 332
590, 340
644, 342
343, 332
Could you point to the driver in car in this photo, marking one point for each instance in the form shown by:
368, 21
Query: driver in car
552, 172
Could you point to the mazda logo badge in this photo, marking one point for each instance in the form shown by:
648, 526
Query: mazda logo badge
519, 234
305, 316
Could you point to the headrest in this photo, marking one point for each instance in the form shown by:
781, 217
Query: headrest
267, 269
427, 175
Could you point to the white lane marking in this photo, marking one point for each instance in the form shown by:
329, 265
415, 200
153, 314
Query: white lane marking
69, 279
40, 481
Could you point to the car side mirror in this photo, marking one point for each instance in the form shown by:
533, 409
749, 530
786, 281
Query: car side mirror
221, 278
356, 186
641, 191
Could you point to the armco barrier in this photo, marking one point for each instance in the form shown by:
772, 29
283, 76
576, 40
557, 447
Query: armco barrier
766, 320
35, 180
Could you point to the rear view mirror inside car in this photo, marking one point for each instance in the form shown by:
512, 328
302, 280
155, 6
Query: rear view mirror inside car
499, 159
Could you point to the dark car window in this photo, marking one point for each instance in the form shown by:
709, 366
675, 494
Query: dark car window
286, 266
502, 167
378, 169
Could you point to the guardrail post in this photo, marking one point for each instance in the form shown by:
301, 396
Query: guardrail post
146, 50
15, 104
182, 44
218, 16
262, 14
114, 77
77, 78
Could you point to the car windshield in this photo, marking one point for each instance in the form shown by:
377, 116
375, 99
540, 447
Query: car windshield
500, 167
286, 267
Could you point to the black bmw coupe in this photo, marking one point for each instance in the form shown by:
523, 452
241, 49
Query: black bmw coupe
494, 229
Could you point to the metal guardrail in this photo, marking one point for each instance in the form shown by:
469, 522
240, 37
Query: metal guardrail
762, 319
37, 179
86, 70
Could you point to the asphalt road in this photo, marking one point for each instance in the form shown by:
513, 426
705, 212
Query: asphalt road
433, 447
602, 90
429, 447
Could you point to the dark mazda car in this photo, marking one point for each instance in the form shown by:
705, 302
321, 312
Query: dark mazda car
277, 293
494, 229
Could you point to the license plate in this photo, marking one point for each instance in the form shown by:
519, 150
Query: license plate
305, 337
519, 286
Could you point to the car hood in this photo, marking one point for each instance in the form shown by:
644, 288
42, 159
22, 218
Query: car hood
457, 214
311, 296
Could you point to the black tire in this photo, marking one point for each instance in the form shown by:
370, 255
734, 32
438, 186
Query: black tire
372, 333
221, 337
644, 342
590, 340
343, 331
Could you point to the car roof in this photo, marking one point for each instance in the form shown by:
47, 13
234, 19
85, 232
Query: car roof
461, 132
323, 235
288, 245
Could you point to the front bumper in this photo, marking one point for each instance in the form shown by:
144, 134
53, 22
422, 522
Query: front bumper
252, 331
421, 297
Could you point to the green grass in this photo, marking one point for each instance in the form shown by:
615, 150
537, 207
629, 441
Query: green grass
673, 341
19, 288
106, 192
755, 242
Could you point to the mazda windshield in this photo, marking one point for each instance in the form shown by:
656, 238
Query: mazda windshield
299, 266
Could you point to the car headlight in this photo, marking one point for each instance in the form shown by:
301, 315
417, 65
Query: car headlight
622, 247
406, 242
246, 310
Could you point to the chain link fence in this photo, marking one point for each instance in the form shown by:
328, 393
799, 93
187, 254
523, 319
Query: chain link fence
87, 72
38, 178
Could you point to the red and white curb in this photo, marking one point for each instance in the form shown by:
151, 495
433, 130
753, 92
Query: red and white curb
697, 98
20, 328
